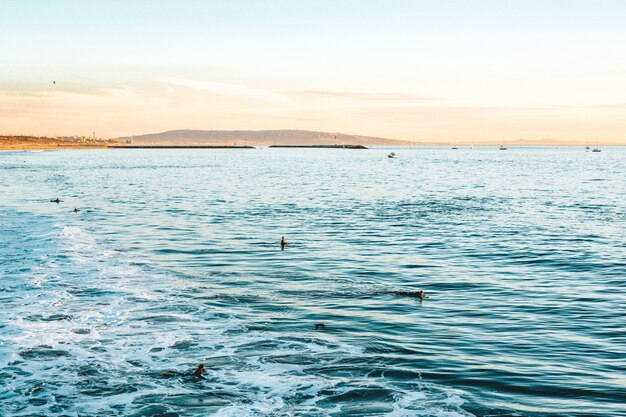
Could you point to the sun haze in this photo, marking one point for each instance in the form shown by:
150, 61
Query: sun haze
411, 70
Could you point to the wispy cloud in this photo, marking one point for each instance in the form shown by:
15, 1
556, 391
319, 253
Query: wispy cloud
109, 111
611, 106
378, 97
227, 90
177, 103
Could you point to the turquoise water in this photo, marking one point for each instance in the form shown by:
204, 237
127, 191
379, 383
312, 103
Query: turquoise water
175, 260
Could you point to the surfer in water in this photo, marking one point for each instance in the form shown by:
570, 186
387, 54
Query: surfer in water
199, 371
414, 294
56, 200
283, 243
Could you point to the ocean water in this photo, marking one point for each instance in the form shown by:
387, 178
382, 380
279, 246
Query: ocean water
175, 260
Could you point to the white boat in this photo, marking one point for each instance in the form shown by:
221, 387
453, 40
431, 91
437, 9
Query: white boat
597, 148
503, 148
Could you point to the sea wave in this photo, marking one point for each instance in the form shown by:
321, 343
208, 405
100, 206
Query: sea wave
90, 332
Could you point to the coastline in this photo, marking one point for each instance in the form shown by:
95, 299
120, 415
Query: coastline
49, 147
27, 143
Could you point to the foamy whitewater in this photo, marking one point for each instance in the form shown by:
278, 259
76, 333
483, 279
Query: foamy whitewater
174, 260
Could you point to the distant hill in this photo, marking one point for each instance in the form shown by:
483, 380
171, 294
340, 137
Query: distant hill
259, 137
308, 137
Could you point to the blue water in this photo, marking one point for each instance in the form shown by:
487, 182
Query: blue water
174, 261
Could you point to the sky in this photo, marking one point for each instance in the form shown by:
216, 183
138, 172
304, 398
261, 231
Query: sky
440, 70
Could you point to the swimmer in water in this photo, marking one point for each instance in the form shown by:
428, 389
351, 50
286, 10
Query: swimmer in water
283, 243
56, 200
76, 210
199, 371
414, 294
169, 373
320, 326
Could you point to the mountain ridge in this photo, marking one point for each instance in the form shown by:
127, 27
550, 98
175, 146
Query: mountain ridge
312, 137
259, 137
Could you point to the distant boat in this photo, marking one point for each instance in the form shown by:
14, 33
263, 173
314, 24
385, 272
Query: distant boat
597, 148
503, 148
391, 155
454, 146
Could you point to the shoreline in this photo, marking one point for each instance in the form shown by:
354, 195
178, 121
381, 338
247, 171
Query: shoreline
28, 147
27, 143
30, 143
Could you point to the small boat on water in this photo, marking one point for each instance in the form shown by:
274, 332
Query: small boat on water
454, 145
597, 148
391, 155
503, 148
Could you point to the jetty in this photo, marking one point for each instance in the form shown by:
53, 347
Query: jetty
181, 147
321, 146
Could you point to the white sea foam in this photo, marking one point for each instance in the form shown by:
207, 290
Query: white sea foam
92, 322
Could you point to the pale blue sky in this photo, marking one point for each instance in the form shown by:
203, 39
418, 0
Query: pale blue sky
476, 54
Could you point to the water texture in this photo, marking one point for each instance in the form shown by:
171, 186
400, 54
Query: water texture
174, 260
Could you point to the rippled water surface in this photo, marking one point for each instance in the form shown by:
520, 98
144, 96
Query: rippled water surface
175, 260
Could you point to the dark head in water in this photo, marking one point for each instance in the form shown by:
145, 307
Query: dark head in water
199, 371
320, 326
56, 200
76, 210
414, 294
